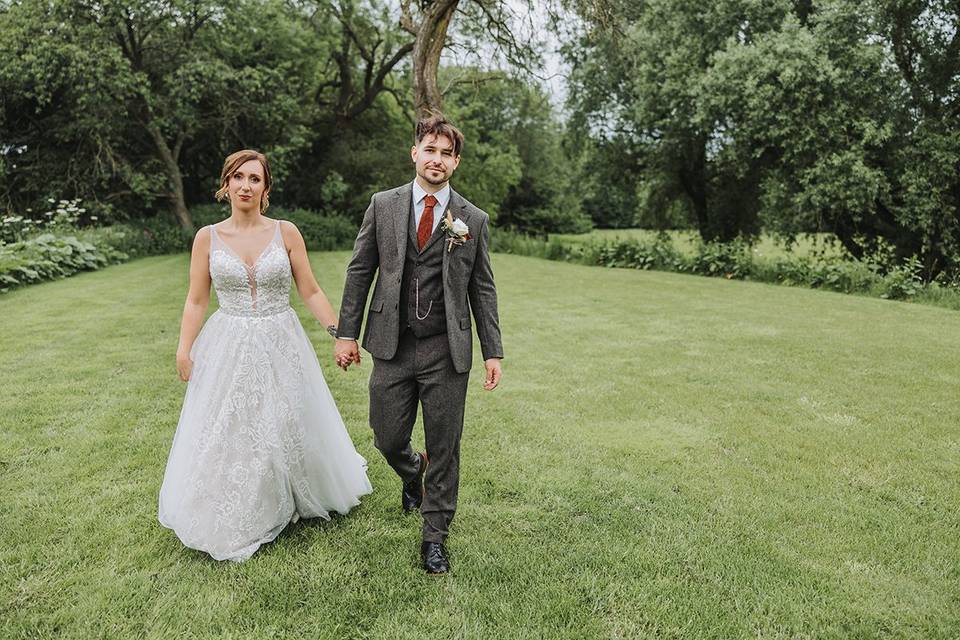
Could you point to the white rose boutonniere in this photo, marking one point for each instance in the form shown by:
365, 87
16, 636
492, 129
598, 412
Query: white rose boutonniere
457, 231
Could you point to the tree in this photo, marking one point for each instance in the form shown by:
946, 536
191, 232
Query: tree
485, 23
128, 88
806, 112
514, 121
166, 77
134, 105
923, 39
53, 123
369, 48
845, 120
830, 116
660, 53
429, 29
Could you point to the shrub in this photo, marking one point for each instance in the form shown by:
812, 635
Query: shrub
323, 233
817, 272
845, 276
659, 254
903, 281
724, 259
879, 275
62, 249
502, 241
138, 238
48, 257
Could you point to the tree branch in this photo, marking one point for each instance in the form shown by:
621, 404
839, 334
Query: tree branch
499, 29
378, 83
348, 29
406, 18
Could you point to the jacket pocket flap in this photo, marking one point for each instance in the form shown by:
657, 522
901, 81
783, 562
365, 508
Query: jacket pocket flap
465, 323
377, 306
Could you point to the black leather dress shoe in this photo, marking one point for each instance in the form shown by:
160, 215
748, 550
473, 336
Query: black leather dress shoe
412, 496
434, 557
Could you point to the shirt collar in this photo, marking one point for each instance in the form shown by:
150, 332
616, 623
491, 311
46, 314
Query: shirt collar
442, 196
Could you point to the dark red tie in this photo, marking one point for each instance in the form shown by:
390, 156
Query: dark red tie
425, 228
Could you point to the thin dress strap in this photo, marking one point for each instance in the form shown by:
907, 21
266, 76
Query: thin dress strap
279, 237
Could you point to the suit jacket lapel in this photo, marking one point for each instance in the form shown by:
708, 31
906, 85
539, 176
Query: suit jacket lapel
458, 209
402, 215
412, 227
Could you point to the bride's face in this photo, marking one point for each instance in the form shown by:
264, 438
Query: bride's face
246, 185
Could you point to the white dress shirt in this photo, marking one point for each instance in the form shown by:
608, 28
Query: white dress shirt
439, 209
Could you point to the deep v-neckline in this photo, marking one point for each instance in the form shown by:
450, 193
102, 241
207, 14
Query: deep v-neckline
239, 257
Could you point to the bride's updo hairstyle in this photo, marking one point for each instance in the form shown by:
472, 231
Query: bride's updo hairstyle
233, 162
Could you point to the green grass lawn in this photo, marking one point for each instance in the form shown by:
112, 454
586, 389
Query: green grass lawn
686, 241
668, 457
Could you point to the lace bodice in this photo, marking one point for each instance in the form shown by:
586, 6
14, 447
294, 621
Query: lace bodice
243, 290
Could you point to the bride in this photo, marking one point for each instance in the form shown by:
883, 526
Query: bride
260, 442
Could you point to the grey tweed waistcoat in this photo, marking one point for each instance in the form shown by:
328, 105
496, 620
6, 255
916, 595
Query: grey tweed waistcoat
423, 275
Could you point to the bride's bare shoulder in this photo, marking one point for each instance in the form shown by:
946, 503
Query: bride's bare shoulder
202, 236
289, 230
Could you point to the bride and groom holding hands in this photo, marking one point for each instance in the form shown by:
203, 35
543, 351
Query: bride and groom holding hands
260, 442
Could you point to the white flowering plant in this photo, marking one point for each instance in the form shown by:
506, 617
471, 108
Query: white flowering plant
62, 215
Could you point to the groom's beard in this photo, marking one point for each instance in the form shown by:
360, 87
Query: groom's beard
439, 177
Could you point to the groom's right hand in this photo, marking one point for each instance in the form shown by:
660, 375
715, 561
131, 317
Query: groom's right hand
346, 353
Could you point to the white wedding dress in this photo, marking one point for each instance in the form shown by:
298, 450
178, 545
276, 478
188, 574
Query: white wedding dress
260, 442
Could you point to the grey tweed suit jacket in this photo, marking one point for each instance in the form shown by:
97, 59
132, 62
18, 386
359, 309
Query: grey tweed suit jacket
467, 280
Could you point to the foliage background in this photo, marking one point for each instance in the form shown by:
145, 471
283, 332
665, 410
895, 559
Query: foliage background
736, 118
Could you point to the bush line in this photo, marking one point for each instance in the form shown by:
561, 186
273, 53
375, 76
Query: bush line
60, 252
736, 261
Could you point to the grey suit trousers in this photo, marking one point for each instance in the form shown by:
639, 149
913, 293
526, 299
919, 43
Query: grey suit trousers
422, 373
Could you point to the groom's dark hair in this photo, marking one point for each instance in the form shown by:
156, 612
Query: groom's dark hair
435, 123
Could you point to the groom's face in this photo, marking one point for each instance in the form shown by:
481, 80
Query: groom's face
434, 159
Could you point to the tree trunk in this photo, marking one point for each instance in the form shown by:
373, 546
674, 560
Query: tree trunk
169, 157
431, 36
693, 177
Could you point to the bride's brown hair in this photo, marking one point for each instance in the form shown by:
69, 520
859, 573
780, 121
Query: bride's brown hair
233, 162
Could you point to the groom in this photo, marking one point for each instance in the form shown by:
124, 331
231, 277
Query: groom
430, 247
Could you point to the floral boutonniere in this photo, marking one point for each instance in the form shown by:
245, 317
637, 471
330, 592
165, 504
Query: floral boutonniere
457, 231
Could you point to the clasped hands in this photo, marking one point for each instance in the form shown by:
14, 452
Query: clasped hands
346, 352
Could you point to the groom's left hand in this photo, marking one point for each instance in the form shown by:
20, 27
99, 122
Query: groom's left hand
493, 374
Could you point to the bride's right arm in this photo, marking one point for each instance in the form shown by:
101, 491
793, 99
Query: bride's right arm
198, 297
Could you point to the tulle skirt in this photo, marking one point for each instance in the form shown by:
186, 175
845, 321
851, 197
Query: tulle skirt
260, 442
